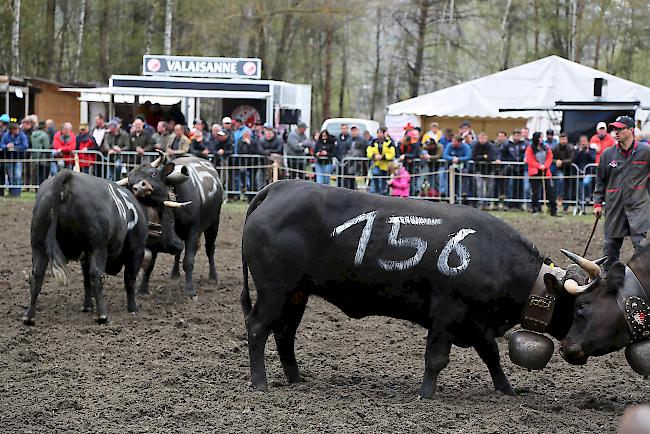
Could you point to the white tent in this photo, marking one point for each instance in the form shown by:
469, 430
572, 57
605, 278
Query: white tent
537, 84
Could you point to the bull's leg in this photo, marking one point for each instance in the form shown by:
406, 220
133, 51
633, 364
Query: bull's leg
436, 358
97, 260
210, 242
258, 332
285, 336
176, 268
39, 265
488, 350
131, 267
88, 294
143, 288
191, 244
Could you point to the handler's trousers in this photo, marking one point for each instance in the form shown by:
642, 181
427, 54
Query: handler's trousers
612, 248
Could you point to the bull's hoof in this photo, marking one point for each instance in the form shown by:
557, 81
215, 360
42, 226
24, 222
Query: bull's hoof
28, 321
175, 274
102, 319
86, 308
260, 388
506, 390
143, 292
213, 275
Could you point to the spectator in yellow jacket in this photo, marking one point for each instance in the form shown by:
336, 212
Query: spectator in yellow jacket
381, 151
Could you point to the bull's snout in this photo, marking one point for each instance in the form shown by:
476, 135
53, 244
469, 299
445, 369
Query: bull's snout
573, 354
142, 189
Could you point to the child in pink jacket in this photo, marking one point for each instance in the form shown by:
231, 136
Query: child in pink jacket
400, 181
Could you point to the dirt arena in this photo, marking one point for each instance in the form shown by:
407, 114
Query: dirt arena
182, 366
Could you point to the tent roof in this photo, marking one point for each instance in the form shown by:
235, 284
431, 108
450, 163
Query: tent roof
535, 84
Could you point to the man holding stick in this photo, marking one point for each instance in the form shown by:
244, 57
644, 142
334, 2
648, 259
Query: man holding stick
621, 190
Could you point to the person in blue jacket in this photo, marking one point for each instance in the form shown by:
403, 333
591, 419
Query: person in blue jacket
456, 153
13, 146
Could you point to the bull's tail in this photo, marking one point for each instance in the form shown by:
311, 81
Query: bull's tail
245, 299
54, 253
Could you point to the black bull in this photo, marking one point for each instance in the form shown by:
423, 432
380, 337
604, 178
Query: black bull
462, 274
202, 195
100, 224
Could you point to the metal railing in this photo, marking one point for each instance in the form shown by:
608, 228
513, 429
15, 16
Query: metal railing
495, 185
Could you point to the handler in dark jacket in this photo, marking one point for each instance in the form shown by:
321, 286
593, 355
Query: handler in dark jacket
622, 189
484, 153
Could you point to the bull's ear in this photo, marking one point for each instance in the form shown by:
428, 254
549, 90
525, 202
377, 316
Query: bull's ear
166, 170
552, 284
615, 277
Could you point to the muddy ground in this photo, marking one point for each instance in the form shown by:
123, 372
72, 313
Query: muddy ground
182, 366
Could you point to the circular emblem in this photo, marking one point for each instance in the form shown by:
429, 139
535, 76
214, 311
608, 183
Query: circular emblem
248, 113
250, 68
153, 65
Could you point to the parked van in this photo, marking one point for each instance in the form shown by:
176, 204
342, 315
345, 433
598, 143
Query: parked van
333, 125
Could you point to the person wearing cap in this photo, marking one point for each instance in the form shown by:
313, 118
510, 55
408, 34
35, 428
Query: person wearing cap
601, 140
465, 128
4, 122
226, 126
14, 144
381, 152
622, 190
41, 153
457, 153
296, 148
220, 145
550, 139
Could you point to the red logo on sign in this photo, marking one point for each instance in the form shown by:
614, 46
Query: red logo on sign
153, 65
250, 68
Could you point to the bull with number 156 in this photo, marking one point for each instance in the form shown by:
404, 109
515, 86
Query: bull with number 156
464, 275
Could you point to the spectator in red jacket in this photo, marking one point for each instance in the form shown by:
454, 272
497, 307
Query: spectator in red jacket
85, 142
601, 140
539, 158
64, 144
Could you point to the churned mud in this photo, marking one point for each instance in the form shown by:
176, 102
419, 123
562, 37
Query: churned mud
182, 365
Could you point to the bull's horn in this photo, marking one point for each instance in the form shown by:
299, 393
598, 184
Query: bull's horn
178, 176
123, 182
590, 267
160, 160
172, 204
573, 288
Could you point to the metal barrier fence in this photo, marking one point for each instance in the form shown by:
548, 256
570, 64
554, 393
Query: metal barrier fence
504, 184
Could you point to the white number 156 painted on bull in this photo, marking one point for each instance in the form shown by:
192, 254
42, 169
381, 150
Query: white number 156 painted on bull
420, 245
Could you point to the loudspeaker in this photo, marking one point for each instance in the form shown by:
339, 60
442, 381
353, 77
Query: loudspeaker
289, 117
600, 85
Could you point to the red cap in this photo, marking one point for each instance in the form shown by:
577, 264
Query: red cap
413, 134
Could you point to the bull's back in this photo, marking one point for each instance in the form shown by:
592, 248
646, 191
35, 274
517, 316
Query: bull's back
349, 245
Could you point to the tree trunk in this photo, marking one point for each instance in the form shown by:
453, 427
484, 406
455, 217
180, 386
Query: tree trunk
327, 85
416, 70
506, 37
599, 32
571, 45
48, 41
62, 35
375, 76
536, 31
280, 60
149, 26
169, 15
104, 25
15, 39
80, 39
344, 70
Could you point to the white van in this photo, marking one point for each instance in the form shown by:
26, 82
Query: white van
333, 125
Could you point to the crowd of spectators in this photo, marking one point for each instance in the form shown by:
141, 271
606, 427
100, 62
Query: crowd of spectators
507, 171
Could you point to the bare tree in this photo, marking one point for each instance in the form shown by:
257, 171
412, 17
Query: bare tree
375, 76
327, 81
80, 38
344, 68
149, 26
15, 39
506, 37
415, 71
169, 15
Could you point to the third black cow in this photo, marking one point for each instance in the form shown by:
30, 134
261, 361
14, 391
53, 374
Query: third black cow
462, 274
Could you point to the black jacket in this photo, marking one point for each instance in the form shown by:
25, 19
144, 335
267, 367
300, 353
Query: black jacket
328, 145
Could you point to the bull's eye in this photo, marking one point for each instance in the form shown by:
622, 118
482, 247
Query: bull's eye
580, 308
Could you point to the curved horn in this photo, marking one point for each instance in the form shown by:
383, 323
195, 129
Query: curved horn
590, 267
123, 182
573, 288
160, 160
178, 176
172, 204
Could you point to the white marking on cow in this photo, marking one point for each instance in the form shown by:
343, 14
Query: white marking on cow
369, 218
417, 243
199, 172
463, 254
123, 205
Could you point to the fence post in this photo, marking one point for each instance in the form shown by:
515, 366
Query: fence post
276, 169
452, 183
